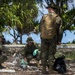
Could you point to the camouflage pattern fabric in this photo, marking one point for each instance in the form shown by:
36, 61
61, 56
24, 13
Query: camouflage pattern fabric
48, 50
50, 28
50, 25
28, 50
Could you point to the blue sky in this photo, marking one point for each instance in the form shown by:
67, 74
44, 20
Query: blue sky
67, 36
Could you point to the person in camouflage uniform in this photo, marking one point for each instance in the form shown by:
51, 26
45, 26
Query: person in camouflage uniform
50, 28
2, 57
30, 47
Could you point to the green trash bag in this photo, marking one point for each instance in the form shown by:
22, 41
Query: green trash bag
35, 52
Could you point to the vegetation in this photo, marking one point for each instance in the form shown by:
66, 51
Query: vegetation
20, 15
73, 41
70, 55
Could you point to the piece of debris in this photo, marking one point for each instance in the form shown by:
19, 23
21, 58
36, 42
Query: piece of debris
5, 70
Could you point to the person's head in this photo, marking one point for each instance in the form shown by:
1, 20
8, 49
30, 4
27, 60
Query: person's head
29, 41
52, 7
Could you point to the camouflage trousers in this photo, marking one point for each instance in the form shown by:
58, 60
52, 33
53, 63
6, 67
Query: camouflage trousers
48, 50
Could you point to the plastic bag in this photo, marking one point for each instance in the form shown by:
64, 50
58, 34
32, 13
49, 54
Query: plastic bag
23, 64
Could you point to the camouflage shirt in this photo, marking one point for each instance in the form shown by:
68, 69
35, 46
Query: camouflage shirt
29, 49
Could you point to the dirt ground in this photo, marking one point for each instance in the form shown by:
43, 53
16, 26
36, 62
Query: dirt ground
38, 72
22, 73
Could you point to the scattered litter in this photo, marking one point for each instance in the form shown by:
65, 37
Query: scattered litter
9, 63
32, 68
23, 64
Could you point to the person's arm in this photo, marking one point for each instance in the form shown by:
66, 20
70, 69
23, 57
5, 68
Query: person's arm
41, 23
59, 29
36, 45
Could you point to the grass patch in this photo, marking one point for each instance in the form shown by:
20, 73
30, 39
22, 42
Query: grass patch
70, 56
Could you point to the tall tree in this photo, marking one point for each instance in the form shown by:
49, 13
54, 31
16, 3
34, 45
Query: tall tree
20, 16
